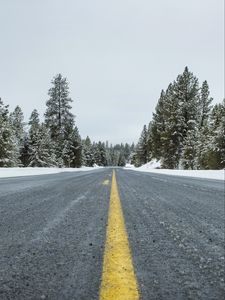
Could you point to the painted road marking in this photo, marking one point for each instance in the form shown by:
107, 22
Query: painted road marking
105, 182
118, 278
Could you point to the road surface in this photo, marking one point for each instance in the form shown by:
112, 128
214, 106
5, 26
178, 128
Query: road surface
53, 232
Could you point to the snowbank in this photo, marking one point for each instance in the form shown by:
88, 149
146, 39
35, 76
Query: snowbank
129, 166
151, 168
14, 172
150, 165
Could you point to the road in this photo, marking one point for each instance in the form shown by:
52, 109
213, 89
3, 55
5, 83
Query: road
53, 231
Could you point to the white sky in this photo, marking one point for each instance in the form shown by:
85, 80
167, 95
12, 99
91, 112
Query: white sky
116, 54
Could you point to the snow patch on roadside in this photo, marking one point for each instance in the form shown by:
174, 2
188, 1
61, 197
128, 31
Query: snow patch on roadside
14, 172
152, 167
154, 164
129, 166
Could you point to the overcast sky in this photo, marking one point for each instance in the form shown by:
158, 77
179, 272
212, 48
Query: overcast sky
116, 54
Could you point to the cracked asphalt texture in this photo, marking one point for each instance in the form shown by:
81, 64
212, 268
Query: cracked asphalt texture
52, 235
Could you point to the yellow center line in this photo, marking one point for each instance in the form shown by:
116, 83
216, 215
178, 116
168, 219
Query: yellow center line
118, 277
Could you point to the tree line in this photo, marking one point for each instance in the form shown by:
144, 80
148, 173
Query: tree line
186, 130
55, 141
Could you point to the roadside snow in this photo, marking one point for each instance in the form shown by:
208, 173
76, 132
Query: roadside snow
14, 172
154, 164
151, 168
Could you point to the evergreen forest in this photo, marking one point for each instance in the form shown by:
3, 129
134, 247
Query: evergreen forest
186, 132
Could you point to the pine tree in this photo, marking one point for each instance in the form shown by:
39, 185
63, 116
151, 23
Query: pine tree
142, 148
33, 134
110, 155
190, 147
186, 90
58, 116
102, 154
96, 154
121, 160
17, 121
41, 153
204, 109
150, 142
34, 124
177, 108
116, 154
132, 158
204, 105
66, 145
220, 138
99, 153
157, 127
127, 152
215, 148
219, 144
17, 124
171, 136
4, 135
77, 150
25, 151
9, 152
88, 153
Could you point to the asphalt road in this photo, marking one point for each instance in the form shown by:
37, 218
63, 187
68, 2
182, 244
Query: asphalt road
53, 227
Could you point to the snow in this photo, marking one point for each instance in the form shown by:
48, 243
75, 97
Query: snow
154, 164
129, 166
14, 172
151, 167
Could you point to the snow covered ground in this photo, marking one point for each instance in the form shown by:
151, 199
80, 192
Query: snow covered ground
14, 172
151, 168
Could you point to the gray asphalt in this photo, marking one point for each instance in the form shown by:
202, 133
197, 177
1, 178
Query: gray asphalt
52, 235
